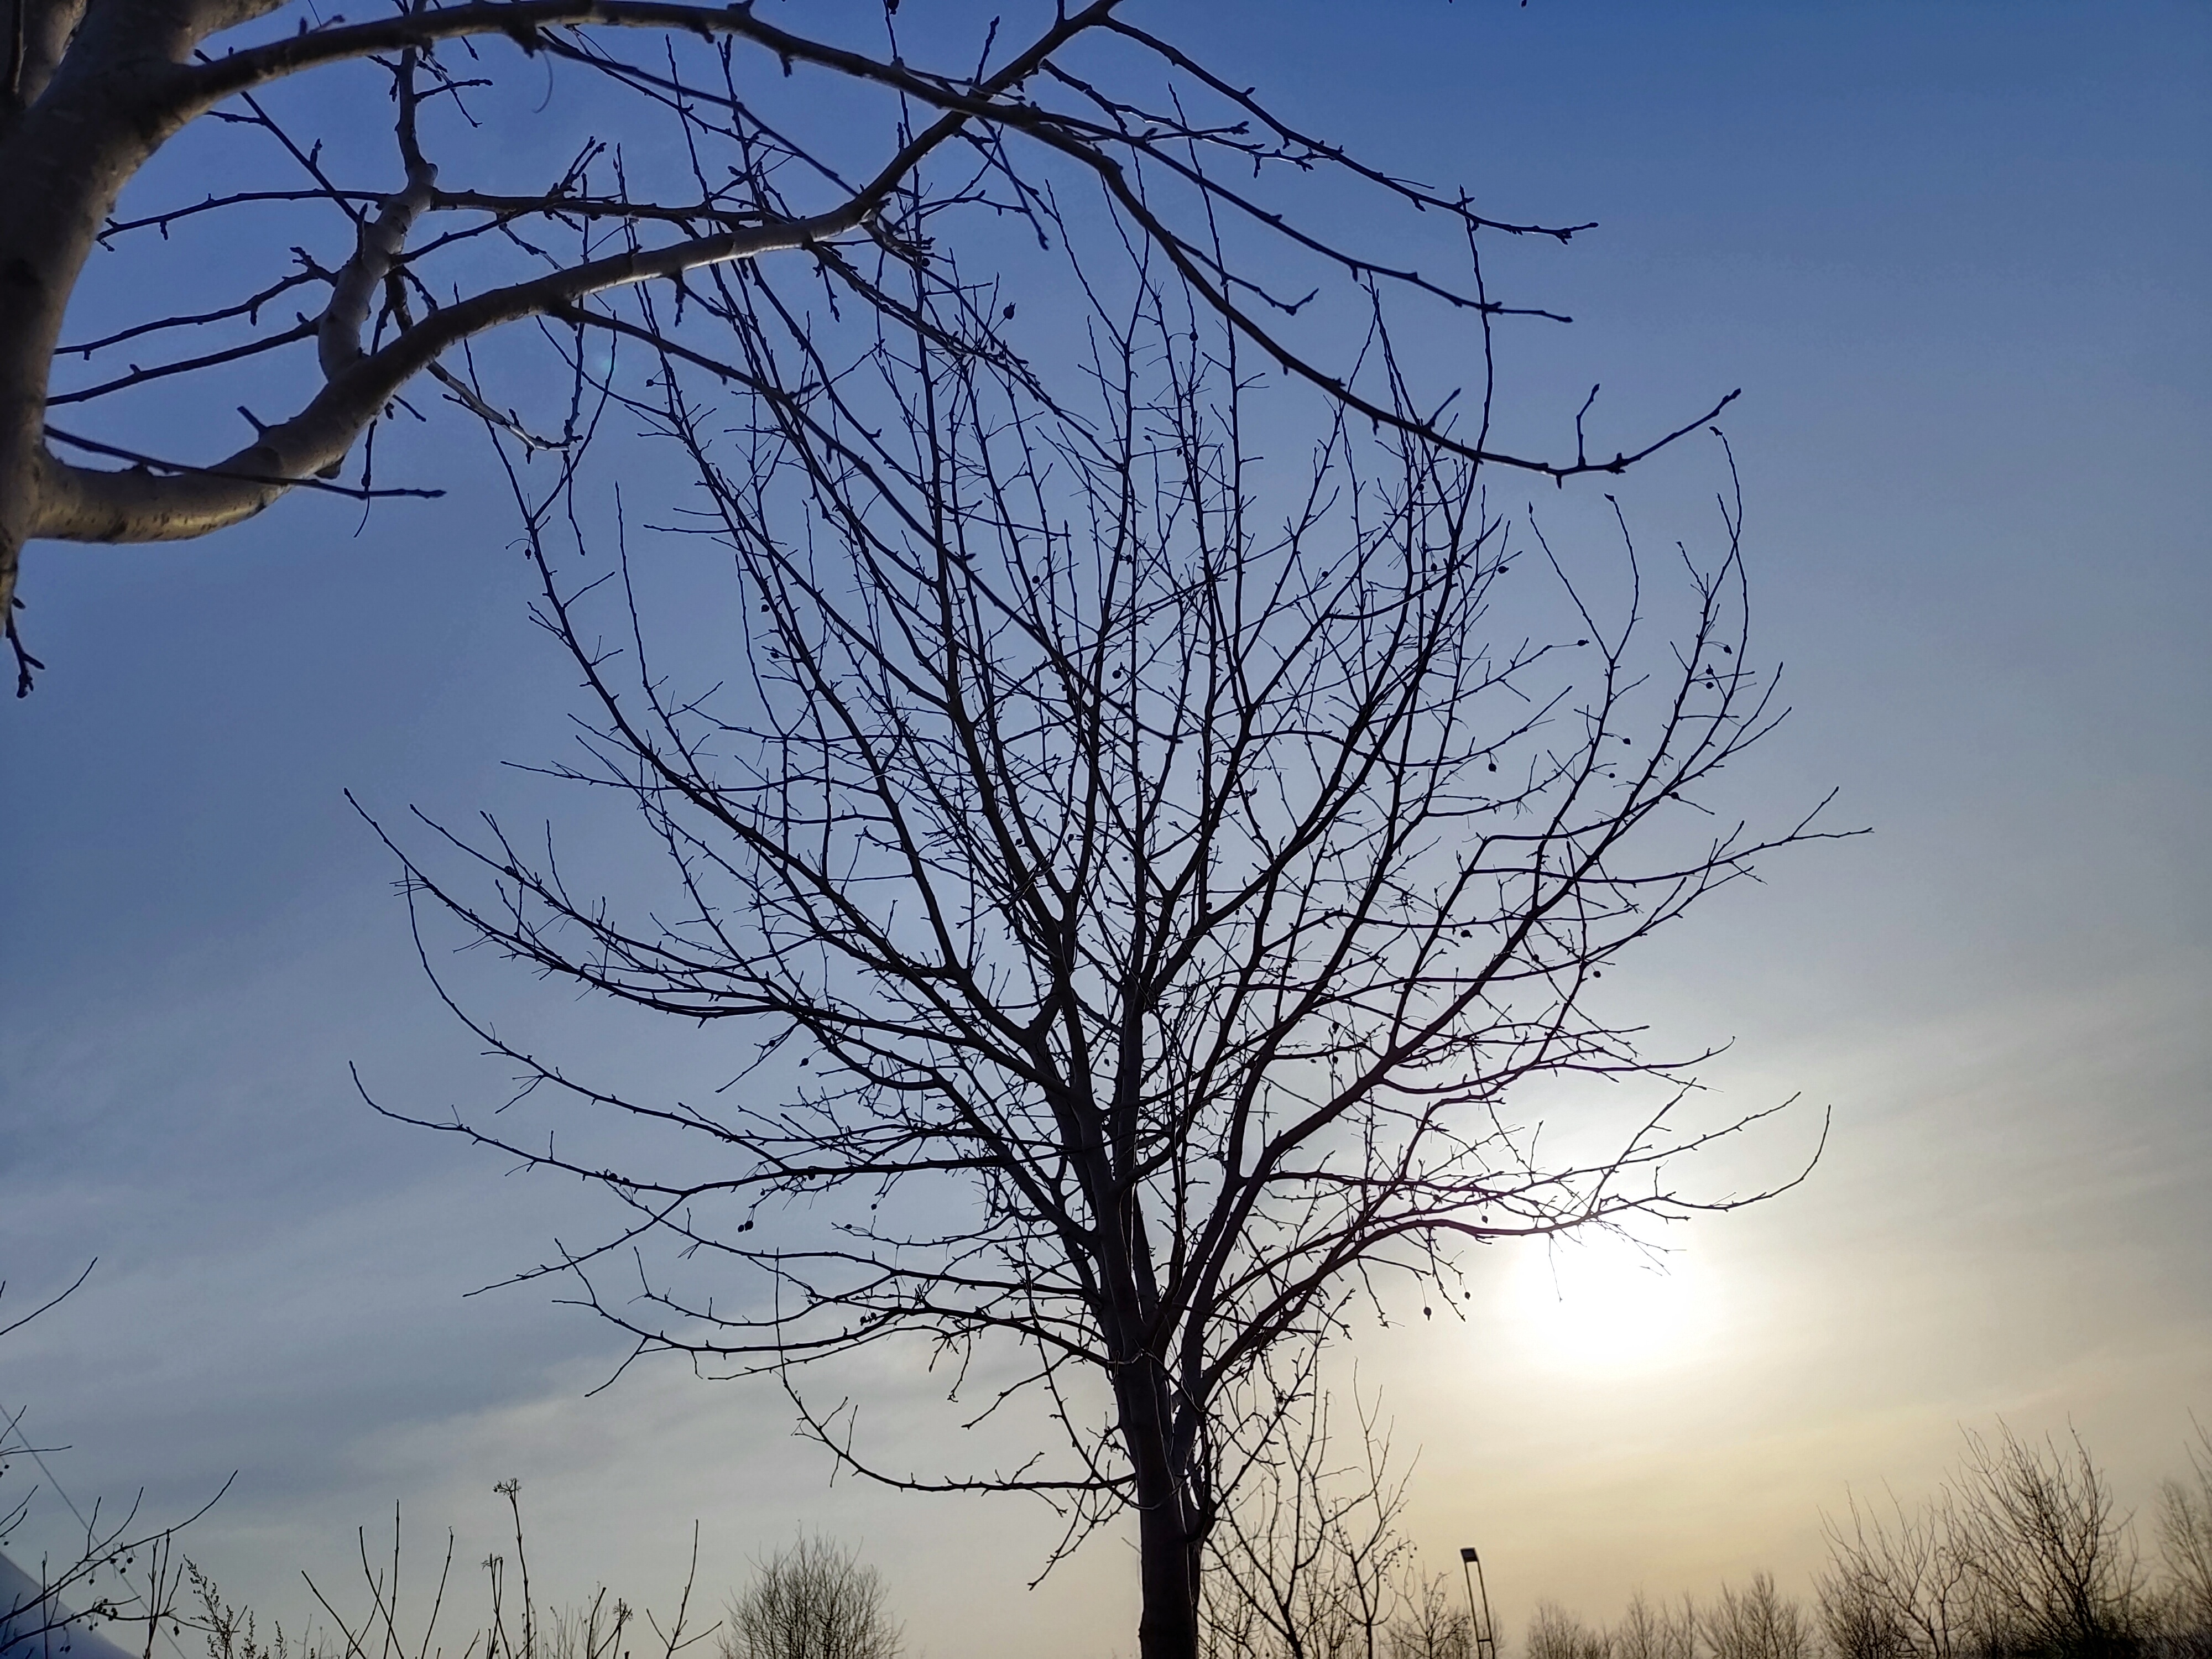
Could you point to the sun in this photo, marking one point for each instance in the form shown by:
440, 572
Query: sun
1608, 1303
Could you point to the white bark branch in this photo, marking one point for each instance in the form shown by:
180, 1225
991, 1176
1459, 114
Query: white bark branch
37, 34
83, 504
383, 239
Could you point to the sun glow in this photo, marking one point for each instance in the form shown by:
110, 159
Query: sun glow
1607, 1303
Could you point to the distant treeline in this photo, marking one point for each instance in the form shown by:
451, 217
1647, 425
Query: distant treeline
2024, 1553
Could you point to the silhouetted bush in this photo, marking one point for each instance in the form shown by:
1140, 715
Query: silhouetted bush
1757, 1623
811, 1600
1647, 1630
2022, 1555
2184, 1537
1555, 1633
1434, 1624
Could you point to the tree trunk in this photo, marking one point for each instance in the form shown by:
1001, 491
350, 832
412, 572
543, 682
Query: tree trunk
63, 163
1167, 1628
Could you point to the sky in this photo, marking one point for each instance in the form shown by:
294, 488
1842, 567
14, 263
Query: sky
1956, 256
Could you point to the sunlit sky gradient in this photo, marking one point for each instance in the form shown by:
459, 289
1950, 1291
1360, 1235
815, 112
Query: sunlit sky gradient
1956, 255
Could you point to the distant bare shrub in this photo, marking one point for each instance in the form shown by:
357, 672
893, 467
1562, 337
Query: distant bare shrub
1434, 1624
811, 1600
2184, 1538
1757, 1622
2024, 1554
2052, 1562
1896, 1590
1555, 1633
1308, 1562
1647, 1630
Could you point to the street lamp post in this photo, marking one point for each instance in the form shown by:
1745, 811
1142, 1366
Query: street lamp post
1486, 1635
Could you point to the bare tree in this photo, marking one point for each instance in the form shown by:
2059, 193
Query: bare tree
1757, 1622
2184, 1536
811, 1600
358, 262
1434, 1622
1655, 1632
1897, 1587
1146, 874
1556, 1633
2024, 1553
2053, 1565
1308, 1561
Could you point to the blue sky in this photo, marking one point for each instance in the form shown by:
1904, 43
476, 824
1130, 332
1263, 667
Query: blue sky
1957, 257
